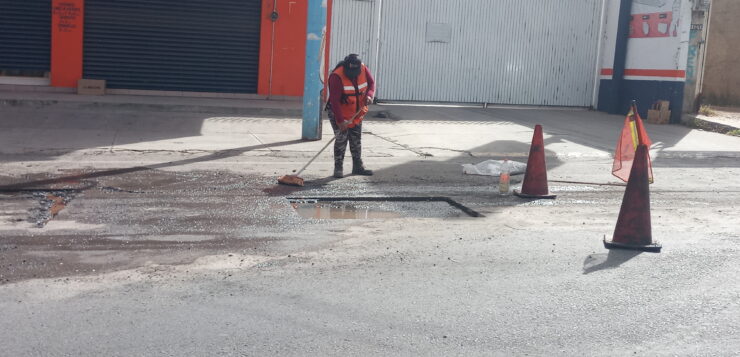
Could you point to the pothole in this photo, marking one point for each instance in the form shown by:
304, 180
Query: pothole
50, 204
379, 207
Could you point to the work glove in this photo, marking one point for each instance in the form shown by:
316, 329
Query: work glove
342, 126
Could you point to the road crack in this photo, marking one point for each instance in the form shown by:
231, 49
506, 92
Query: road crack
469, 153
404, 146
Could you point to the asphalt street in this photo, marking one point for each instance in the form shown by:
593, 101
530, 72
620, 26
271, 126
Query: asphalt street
154, 231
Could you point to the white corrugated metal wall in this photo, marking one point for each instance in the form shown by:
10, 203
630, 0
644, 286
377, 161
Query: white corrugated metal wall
351, 29
530, 52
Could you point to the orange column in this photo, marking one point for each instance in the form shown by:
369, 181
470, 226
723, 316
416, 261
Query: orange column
67, 19
266, 38
282, 48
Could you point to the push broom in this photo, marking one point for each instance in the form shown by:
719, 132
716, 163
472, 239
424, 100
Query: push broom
297, 180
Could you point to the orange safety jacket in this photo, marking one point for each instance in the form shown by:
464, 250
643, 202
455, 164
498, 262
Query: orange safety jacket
354, 99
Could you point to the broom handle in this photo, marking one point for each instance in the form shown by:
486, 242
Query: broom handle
315, 156
324, 148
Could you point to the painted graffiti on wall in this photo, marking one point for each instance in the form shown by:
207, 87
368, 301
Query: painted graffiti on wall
657, 24
661, 23
694, 38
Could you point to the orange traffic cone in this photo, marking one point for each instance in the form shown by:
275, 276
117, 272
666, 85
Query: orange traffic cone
633, 226
535, 178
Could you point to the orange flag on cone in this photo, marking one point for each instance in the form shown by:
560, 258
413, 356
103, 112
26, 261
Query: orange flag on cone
633, 135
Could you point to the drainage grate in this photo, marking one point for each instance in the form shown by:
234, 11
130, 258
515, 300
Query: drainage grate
378, 207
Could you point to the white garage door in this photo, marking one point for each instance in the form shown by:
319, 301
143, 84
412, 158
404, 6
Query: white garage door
352, 24
530, 52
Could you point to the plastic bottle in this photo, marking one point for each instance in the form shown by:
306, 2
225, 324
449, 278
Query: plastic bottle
503, 181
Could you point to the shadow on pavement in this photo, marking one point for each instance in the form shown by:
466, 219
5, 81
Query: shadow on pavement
584, 127
611, 260
214, 156
50, 133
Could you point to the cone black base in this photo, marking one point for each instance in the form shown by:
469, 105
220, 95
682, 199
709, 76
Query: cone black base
653, 248
524, 195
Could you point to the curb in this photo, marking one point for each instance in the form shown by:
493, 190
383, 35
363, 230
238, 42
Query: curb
693, 121
169, 107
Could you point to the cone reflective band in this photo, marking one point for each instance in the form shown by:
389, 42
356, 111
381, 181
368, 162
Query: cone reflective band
535, 177
633, 229
633, 134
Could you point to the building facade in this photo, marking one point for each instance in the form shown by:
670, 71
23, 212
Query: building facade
583, 53
219, 46
648, 56
586, 53
721, 85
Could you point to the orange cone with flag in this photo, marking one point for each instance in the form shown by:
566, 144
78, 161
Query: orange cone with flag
535, 178
633, 229
633, 134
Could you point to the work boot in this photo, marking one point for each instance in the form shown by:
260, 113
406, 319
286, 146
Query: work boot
359, 169
338, 171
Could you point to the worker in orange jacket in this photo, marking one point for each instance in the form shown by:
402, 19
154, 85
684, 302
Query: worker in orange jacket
351, 90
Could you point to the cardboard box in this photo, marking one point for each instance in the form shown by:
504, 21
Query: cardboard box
91, 86
659, 114
658, 117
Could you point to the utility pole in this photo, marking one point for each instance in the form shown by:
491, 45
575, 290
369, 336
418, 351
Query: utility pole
618, 98
315, 30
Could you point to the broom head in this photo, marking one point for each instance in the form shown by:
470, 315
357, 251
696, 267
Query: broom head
291, 180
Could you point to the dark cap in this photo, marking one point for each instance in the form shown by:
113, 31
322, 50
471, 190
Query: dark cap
353, 59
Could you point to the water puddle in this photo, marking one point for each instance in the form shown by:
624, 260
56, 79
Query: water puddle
379, 207
335, 210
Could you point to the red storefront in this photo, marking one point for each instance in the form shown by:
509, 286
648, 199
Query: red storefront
219, 46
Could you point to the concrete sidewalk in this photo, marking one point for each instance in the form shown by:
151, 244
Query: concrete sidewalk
409, 144
54, 125
716, 124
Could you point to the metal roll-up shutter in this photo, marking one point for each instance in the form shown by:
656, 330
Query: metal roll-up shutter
174, 45
25, 37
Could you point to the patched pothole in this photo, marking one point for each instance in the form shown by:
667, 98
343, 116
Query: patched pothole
49, 205
379, 207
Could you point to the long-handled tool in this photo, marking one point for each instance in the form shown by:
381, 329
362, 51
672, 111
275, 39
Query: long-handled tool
296, 180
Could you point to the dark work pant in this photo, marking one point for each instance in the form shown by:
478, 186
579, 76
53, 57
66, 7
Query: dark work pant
353, 135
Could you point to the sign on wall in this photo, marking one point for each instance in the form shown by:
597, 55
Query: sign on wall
67, 20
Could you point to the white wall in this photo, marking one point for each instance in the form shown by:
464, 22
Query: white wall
609, 42
665, 53
656, 53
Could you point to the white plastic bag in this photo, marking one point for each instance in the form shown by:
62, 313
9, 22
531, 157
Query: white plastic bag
493, 168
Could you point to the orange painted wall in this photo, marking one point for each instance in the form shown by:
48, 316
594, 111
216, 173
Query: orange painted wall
282, 48
263, 79
67, 20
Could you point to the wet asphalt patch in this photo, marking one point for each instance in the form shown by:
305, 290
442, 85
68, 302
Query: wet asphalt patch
79, 222
379, 207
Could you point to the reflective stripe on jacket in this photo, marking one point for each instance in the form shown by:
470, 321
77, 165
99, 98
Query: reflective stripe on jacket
354, 99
